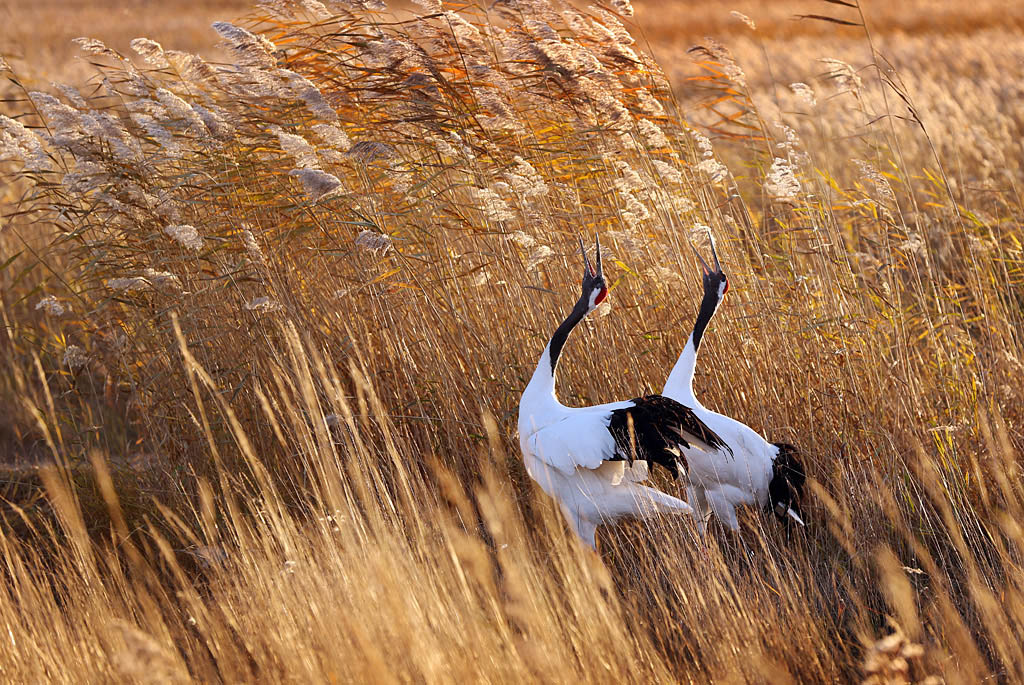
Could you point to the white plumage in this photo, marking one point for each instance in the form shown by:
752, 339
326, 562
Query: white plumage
752, 471
583, 457
571, 457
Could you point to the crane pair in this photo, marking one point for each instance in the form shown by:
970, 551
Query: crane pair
593, 460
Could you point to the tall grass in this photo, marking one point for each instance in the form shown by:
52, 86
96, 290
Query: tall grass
268, 322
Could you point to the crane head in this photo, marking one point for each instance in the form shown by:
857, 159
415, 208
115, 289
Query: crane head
715, 280
594, 287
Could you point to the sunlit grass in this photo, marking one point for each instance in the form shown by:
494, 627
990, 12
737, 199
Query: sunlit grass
268, 323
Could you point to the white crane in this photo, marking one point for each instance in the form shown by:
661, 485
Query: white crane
751, 470
591, 460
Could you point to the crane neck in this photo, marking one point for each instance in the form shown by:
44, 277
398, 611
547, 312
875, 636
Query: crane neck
561, 333
679, 385
708, 305
543, 380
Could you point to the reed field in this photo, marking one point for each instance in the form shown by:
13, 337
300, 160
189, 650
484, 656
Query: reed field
271, 290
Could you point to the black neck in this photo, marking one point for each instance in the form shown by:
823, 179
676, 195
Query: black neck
707, 309
563, 331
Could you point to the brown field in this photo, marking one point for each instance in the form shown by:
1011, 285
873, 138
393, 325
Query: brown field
268, 309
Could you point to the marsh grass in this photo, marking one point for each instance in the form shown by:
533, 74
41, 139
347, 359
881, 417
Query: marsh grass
302, 292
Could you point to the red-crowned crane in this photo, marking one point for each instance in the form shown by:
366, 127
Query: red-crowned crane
591, 460
751, 470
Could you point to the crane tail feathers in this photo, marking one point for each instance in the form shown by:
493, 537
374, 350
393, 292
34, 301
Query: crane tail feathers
664, 502
693, 440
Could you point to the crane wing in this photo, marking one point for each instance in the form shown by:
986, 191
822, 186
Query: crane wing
655, 428
580, 440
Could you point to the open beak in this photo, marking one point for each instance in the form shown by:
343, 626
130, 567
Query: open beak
714, 255
714, 252
793, 515
703, 264
586, 262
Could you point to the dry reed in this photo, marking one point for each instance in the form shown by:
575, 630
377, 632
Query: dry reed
267, 323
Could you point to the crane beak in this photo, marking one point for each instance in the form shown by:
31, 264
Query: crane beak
793, 515
600, 267
703, 264
588, 270
714, 252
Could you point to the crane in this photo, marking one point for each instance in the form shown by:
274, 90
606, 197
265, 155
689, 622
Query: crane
750, 470
592, 460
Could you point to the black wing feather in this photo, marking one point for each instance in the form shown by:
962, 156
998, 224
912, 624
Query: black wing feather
654, 427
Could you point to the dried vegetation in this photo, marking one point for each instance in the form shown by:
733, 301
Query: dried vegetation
267, 318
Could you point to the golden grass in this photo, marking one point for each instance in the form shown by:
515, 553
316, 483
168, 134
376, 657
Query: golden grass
281, 447
37, 35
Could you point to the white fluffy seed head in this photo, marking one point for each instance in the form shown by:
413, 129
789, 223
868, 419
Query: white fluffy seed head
745, 19
163, 279
51, 305
542, 253
262, 305
187, 236
252, 246
494, 208
804, 92
318, 184
128, 283
781, 181
715, 170
372, 241
151, 51
74, 357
